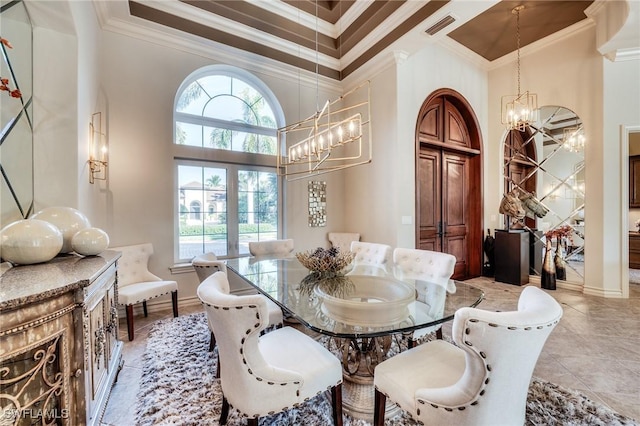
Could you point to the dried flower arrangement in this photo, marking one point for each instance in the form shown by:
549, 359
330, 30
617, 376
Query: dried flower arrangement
559, 232
332, 283
4, 82
325, 260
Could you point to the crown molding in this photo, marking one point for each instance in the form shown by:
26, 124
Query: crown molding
368, 42
543, 43
631, 54
296, 15
178, 40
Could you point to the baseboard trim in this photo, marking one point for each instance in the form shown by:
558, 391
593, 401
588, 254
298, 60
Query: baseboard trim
565, 285
601, 292
160, 304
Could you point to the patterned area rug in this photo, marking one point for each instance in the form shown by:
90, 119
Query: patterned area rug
178, 387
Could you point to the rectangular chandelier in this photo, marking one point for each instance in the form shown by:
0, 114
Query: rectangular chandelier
519, 111
335, 138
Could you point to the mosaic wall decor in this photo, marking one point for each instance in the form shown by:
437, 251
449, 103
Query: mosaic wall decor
317, 203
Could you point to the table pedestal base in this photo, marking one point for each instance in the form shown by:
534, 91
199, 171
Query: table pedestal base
359, 359
358, 401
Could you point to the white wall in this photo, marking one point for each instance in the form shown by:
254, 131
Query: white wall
90, 100
369, 198
141, 80
621, 101
571, 73
381, 193
55, 76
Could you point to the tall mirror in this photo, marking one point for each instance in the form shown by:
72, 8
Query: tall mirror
544, 166
16, 114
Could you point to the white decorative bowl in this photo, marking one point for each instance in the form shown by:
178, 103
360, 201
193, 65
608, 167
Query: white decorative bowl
30, 241
375, 301
68, 220
90, 241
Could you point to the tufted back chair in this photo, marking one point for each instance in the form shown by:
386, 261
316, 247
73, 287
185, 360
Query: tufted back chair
342, 240
261, 375
136, 284
426, 265
373, 254
207, 264
274, 248
432, 267
468, 383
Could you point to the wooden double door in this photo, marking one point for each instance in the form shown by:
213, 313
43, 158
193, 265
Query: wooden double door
449, 186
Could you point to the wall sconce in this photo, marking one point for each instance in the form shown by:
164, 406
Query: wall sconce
97, 149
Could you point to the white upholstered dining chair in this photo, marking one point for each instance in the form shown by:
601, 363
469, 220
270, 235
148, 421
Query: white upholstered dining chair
136, 284
273, 248
371, 258
208, 264
264, 374
432, 267
483, 378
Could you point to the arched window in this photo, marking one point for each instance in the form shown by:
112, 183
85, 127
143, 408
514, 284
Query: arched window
225, 142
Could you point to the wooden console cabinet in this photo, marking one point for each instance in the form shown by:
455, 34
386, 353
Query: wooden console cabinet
512, 256
634, 250
59, 347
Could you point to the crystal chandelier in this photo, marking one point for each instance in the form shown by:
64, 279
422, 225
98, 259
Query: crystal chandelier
519, 111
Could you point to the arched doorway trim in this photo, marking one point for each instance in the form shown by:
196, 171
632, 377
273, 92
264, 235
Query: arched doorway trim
447, 126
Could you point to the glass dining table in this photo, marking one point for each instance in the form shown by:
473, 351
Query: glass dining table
362, 315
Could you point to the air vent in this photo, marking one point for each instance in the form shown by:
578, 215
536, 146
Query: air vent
438, 26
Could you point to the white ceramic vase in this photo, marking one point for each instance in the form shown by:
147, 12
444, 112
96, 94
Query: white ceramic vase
68, 220
90, 241
29, 241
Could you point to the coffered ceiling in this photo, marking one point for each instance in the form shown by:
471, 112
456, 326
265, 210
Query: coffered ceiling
335, 38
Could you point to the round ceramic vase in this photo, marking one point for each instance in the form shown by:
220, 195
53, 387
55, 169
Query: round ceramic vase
90, 241
68, 220
29, 241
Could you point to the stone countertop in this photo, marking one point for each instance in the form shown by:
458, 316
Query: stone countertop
24, 284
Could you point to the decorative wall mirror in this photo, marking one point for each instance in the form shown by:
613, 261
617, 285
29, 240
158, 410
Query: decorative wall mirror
16, 114
546, 163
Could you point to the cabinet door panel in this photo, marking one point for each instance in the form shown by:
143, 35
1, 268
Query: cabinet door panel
97, 347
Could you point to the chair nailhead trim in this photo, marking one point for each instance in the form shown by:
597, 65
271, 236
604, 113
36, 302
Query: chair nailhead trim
467, 331
153, 297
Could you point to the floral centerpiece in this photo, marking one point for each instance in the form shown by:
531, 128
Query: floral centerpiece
637, 222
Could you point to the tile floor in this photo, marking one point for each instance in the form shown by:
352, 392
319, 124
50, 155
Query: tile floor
594, 349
